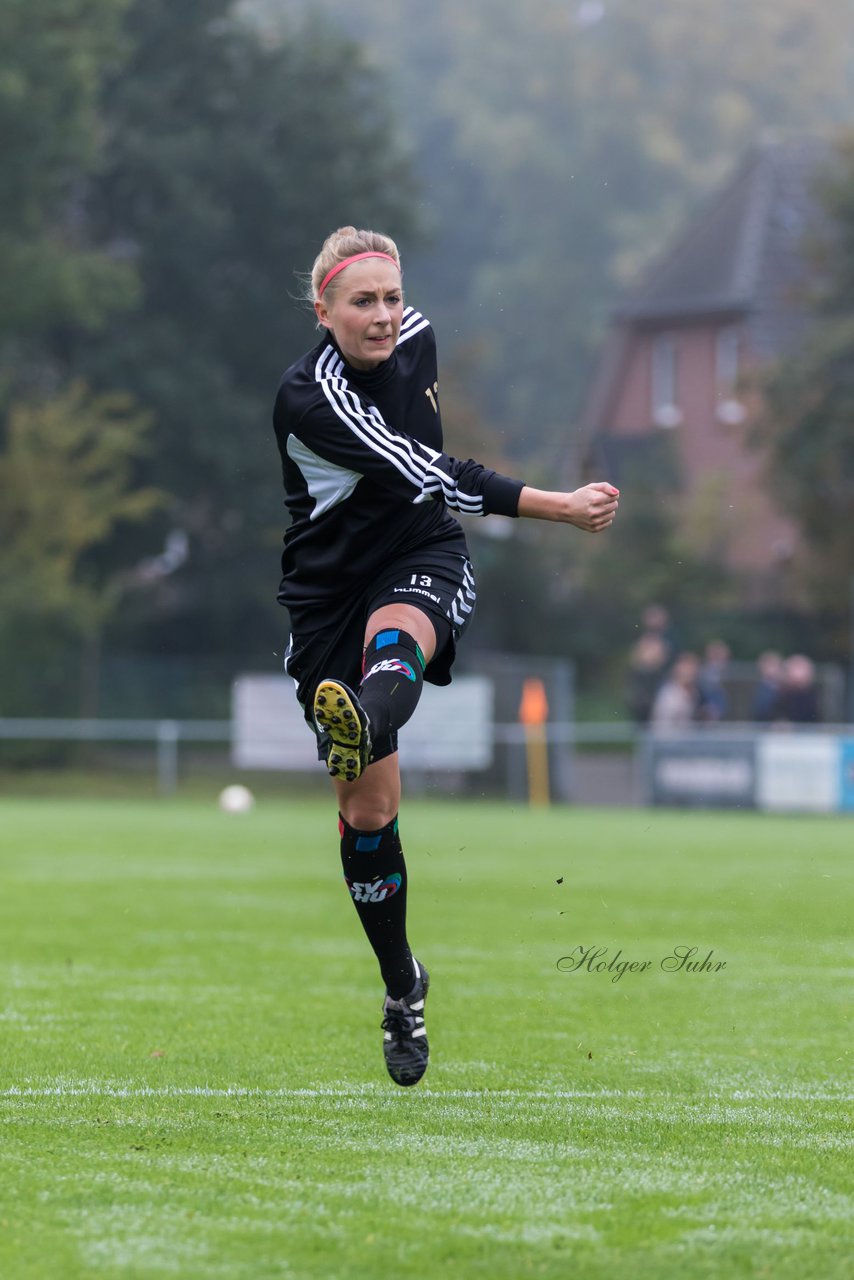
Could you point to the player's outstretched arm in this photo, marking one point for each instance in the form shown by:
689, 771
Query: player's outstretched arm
591, 508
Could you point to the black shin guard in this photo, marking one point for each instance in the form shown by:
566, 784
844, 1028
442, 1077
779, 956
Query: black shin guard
393, 680
375, 873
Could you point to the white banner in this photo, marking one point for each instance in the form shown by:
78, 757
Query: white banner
799, 771
451, 729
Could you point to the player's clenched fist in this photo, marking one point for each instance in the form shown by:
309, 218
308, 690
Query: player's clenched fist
591, 508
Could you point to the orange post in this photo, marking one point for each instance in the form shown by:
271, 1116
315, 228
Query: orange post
533, 714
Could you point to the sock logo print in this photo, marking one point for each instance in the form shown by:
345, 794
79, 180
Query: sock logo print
375, 891
391, 664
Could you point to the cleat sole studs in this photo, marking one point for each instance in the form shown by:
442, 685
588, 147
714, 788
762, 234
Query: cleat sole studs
349, 743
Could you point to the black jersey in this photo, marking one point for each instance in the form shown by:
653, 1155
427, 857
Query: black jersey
365, 476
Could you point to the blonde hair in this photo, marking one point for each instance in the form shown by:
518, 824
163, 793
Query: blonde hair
345, 243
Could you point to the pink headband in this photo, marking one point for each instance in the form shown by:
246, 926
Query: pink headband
357, 257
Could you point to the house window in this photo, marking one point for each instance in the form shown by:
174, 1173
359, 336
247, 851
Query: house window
729, 409
726, 358
665, 411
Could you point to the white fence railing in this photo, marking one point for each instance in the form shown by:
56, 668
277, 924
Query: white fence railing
167, 737
164, 735
803, 768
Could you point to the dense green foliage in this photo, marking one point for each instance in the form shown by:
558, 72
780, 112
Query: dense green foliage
810, 410
65, 491
172, 173
555, 590
192, 1082
224, 169
53, 57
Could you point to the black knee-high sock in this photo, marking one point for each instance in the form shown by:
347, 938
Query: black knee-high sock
375, 873
393, 680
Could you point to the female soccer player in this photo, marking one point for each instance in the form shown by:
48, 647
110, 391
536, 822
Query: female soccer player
376, 574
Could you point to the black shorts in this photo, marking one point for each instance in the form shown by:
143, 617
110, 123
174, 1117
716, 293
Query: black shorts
439, 582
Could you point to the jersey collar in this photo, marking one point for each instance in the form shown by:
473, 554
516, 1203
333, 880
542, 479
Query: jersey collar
368, 378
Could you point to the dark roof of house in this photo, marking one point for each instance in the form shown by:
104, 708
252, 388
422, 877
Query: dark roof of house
741, 257
744, 251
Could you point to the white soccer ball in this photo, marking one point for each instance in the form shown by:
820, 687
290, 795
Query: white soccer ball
236, 799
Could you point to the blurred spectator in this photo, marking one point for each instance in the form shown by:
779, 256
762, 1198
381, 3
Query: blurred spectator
713, 700
647, 664
655, 620
766, 695
649, 659
798, 700
675, 704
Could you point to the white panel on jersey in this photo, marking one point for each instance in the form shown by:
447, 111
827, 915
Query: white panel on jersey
327, 483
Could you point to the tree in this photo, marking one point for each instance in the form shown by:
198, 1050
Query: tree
227, 161
645, 558
808, 412
66, 488
52, 59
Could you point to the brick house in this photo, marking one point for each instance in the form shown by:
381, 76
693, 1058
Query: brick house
721, 302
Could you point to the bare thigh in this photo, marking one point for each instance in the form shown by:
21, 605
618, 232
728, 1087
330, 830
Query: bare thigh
405, 617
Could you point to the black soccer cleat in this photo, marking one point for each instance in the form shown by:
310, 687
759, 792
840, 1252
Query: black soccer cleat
405, 1044
338, 714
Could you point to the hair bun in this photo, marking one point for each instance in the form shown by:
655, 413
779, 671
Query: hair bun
344, 243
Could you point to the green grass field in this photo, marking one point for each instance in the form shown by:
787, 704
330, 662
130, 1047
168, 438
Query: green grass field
191, 1074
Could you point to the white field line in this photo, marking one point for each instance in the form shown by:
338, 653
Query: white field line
96, 1089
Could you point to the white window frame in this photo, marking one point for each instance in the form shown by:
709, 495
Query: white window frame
664, 358
728, 345
727, 357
